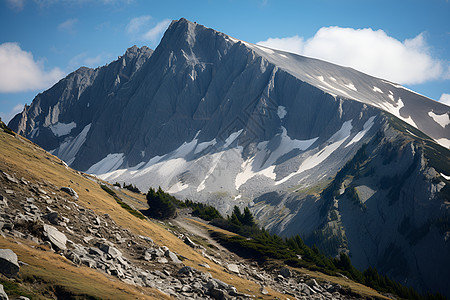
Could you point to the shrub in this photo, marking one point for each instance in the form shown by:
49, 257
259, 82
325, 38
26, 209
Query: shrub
161, 205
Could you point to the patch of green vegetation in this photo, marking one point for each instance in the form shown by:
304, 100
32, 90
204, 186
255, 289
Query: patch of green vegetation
121, 203
15, 289
161, 205
6, 128
203, 211
131, 188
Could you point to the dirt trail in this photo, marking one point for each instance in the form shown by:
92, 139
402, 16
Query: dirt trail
183, 220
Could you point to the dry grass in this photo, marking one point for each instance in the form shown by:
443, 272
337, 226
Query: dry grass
51, 270
22, 158
354, 286
211, 228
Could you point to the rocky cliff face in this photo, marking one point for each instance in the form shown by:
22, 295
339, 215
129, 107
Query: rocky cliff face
222, 121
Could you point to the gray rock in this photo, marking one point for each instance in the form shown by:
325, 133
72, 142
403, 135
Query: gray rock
73, 257
285, 272
173, 257
186, 270
218, 294
11, 178
204, 265
52, 218
3, 201
146, 238
70, 191
8, 226
3, 295
162, 260
114, 252
233, 268
9, 266
57, 238
88, 262
96, 251
190, 243
264, 291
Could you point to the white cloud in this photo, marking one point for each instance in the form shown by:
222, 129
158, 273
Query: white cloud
16, 4
445, 98
46, 3
83, 59
20, 72
292, 44
136, 24
154, 34
138, 29
369, 51
6, 117
68, 25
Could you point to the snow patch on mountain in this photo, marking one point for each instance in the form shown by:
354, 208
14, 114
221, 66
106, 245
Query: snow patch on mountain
264, 162
62, 129
249, 167
110, 163
442, 120
232, 138
215, 159
281, 112
351, 86
444, 142
377, 89
68, 150
361, 134
202, 146
395, 110
314, 160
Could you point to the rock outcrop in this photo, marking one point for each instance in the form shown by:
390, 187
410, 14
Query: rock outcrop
9, 266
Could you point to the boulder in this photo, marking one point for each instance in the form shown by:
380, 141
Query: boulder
9, 266
11, 178
218, 294
285, 272
114, 252
57, 238
190, 243
233, 268
173, 257
70, 191
186, 270
52, 217
3, 295
3, 201
73, 257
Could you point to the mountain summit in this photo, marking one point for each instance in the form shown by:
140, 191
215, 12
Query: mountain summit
351, 162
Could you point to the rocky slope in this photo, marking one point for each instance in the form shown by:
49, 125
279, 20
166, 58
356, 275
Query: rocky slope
214, 119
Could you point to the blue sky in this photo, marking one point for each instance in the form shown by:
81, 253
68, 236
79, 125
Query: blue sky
405, 41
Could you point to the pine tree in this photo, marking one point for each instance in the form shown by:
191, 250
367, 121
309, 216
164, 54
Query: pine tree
247, 218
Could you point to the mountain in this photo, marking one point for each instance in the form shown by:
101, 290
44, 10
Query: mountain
67, 235
350, 162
